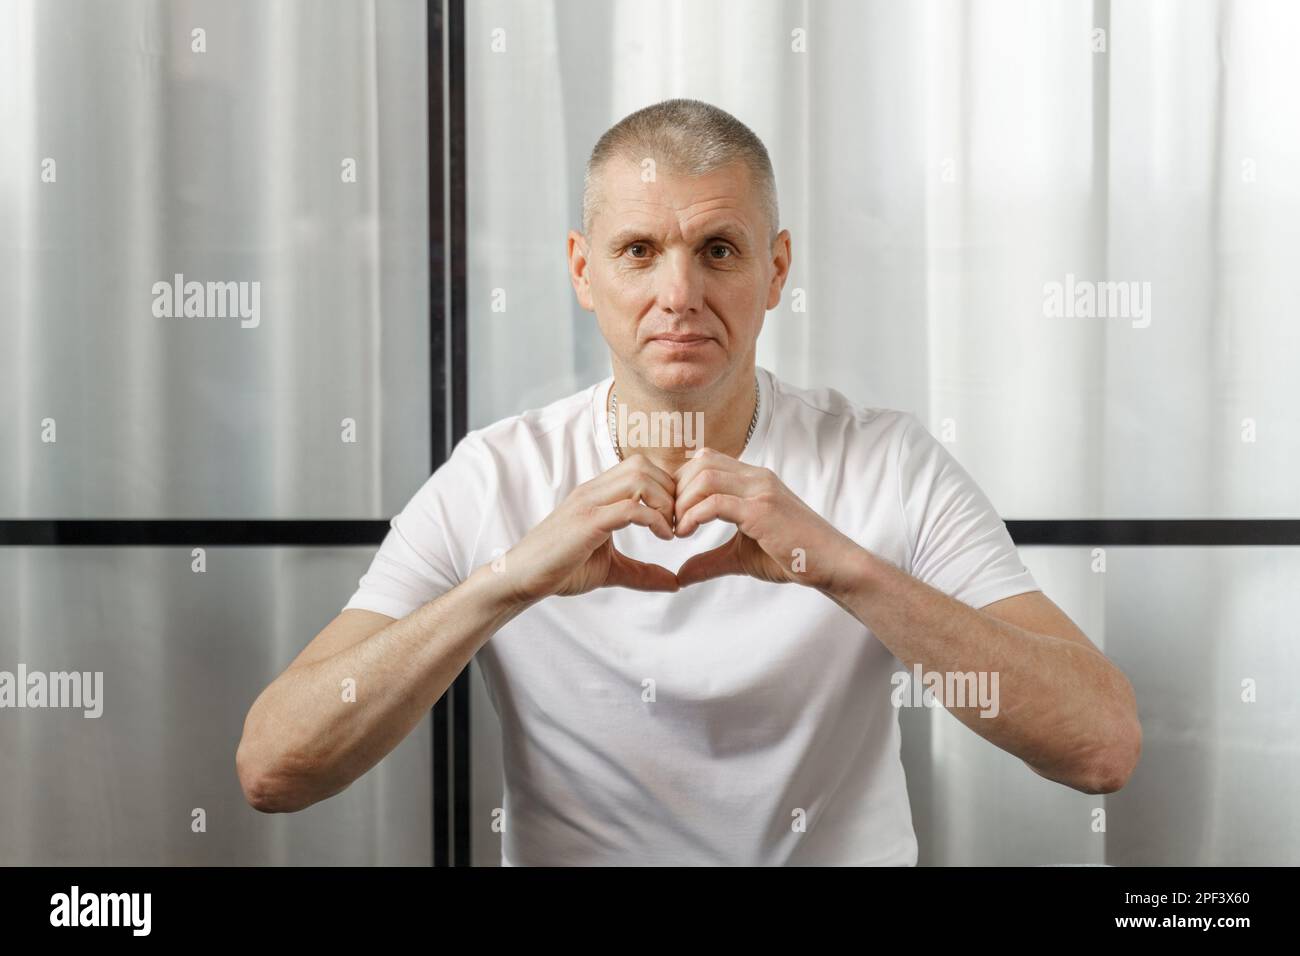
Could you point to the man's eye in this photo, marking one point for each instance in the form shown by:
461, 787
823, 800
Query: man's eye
637, 245
719, 245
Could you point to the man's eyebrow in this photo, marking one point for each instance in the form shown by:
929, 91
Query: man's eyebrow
729, 231
723, 230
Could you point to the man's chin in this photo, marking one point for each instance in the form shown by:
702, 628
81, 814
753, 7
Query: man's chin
684, 375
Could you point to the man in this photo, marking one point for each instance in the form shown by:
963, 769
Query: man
692, 649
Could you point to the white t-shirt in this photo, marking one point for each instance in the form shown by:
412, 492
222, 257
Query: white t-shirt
735, 721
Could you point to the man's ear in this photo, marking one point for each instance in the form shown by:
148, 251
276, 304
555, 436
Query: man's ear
578, 264
780, 266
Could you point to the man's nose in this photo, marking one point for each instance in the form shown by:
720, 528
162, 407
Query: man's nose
680, 285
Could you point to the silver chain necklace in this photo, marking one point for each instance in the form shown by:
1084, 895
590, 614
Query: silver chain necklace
613, 418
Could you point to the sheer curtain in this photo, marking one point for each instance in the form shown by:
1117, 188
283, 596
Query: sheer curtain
147, 139
142, 139
949, 171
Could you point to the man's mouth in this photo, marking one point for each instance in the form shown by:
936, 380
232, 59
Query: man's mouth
681, 339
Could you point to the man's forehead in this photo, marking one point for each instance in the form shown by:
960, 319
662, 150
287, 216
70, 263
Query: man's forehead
715, 204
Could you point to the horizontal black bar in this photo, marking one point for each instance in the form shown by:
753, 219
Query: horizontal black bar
1158, 532
315, 532
212, 532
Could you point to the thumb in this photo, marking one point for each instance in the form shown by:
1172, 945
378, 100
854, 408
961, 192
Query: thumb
707, 565
625, 572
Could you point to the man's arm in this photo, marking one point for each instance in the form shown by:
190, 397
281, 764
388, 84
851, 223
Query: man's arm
1064, 708
303, 741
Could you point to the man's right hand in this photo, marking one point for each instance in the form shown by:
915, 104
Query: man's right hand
572, 552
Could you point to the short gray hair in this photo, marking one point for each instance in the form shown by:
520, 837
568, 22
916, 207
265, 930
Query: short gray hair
687, 137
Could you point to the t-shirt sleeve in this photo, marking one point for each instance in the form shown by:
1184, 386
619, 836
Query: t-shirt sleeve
959, 545
430, 544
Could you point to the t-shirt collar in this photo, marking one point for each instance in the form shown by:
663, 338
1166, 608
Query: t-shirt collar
599, 402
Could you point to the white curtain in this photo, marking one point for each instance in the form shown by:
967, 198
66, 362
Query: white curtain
140, 139
208, 138
941, 165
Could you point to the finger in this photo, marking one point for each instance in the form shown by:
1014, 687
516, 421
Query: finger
614, 486
645, 483
638, 463
620, 514
706, 458
727, 507
710, 481
654, 496
625, 572
714, 563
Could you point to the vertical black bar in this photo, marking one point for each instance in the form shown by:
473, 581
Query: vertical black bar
459, 385
437, 373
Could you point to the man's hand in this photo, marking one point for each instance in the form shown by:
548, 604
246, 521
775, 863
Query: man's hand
571, 552
779, 538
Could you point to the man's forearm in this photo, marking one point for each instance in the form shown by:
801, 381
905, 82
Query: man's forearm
306, 740
1063, 707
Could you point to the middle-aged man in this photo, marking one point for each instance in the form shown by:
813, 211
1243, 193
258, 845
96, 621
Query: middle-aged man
692, 647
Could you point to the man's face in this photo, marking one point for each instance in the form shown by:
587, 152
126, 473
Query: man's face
679, 272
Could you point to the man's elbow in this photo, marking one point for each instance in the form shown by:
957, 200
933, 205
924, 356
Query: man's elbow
264, 789
1120, 758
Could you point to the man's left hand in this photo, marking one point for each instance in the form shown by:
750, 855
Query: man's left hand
778, 538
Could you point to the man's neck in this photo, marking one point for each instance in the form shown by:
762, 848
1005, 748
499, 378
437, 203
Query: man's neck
647, 419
